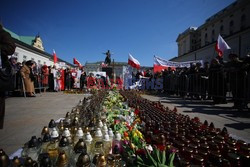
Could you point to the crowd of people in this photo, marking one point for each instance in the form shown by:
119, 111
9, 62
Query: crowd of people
30, 76
218, 81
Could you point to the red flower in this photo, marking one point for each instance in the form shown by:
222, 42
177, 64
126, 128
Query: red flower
125, 134
137, 111
140, 152
161, 147
116, 121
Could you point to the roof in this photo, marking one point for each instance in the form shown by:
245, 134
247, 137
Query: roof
189, 29
27, 42
26, 39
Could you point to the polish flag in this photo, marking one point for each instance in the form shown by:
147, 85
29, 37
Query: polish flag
160, 64
133, 62
55, 57
75, 61
221, 46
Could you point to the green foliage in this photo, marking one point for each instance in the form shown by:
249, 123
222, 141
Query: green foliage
156, 158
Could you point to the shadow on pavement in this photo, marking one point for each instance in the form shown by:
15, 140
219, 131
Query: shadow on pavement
239, 126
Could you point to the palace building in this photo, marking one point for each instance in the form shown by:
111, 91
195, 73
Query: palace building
31, 48
232, 23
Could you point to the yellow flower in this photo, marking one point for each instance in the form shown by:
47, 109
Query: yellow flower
132, 145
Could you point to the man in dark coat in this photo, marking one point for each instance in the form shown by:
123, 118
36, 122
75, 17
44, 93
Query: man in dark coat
7, 47
236, 75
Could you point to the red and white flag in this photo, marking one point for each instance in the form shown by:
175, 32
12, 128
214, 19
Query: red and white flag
221, 46
133, 62
55, 57
75, 61
160, 64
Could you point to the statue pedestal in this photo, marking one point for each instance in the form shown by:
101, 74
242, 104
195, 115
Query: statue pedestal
108, 70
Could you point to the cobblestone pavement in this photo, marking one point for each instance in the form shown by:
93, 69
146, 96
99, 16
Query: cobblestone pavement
237, 123
25, 117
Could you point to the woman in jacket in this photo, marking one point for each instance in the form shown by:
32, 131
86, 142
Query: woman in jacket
28, 77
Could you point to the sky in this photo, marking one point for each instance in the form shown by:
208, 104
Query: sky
85, 29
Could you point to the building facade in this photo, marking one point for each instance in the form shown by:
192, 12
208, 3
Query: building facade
31, 48
232, 23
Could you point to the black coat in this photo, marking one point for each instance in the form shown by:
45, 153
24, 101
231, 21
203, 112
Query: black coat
7, 45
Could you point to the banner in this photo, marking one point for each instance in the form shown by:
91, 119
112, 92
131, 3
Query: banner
161, 64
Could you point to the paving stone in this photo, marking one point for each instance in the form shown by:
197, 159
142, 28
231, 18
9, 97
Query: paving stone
25, 117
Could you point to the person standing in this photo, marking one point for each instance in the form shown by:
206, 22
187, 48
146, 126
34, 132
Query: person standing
45, 77
7, 47
73, 78
82, 80
57, 75
61, 80
28, 78
67, 80
237, 75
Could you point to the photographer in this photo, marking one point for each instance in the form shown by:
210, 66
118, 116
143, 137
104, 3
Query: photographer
7, 47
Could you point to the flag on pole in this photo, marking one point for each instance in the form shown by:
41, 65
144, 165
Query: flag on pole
55, 57
75, 61
221, 46
133, 62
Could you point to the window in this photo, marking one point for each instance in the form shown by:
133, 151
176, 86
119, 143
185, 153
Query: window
24, 58
212, 36
231, 24
243, 22
221, 28
16, 54
206, 42
231, 27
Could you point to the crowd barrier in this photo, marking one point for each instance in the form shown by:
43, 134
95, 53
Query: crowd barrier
222, 84
20, 87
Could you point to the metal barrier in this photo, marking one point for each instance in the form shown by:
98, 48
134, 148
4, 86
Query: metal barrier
38, 84
218, 84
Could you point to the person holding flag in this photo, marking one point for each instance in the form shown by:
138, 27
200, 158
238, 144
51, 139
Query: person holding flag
56, 73
133, 63
220, 47
75, 61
